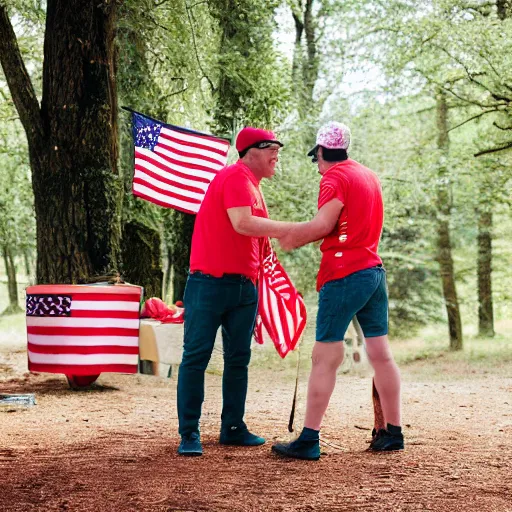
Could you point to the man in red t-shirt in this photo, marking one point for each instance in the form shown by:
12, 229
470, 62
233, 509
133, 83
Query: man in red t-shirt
221, 288
351, 282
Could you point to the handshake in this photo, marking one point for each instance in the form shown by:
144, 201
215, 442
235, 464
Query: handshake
291, 239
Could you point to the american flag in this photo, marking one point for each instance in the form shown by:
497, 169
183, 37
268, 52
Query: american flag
281, 309
83, 330
174, 166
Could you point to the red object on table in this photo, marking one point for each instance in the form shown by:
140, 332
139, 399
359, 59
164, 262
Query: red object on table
157, 309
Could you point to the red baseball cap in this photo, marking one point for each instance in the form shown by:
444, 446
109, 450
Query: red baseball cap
255, 138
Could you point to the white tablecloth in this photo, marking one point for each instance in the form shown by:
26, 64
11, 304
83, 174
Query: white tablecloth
160, 343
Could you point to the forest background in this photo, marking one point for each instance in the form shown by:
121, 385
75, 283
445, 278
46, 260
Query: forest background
426, 88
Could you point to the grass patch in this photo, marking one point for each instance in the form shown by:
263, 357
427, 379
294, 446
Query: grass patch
13, 331
429, 353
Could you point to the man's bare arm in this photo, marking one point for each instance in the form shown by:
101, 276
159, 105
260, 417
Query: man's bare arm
319, 227
245, 223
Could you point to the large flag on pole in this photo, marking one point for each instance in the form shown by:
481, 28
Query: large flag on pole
174, 166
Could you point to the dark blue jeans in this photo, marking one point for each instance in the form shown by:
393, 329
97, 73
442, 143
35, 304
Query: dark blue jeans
210, 302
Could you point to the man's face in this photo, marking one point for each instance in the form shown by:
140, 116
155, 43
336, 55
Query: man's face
265, 160
323, 165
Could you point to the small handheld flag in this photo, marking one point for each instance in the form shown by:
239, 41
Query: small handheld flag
281, 309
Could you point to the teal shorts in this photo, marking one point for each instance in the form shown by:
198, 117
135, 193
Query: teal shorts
362, 294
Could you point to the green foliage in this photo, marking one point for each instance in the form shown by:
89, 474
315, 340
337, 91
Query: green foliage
17, 221
215, 65
250, 76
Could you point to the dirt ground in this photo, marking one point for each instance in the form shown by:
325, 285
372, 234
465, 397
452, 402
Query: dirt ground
114, 447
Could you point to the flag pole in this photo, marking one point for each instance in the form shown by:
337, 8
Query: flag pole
294, 401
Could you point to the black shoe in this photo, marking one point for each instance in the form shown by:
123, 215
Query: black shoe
298, 449
190, 445
387, 440
375, 435
239, 436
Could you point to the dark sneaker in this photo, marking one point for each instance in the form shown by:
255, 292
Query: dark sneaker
387, 440
190, 445
298, 449
375, 435
239, 436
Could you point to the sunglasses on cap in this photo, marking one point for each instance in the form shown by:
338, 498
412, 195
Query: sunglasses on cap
264, 144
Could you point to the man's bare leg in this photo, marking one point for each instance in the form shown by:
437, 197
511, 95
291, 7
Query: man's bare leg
387, 377
326, 357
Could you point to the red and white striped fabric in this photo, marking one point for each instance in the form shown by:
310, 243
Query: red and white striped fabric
174, 166
281, 309
83, 329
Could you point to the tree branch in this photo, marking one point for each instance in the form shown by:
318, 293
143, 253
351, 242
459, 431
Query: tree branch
465, 100
472, 118
167, 96
508, 145
212, 87
503, 128
18, 80
471, 76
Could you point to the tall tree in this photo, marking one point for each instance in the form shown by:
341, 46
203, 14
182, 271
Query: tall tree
305, 56
141, 221
485, 222
72, 138
484, 271
444, 207
17, 226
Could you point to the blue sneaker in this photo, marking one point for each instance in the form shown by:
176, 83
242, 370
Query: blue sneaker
190, 445
239, 436
298, 449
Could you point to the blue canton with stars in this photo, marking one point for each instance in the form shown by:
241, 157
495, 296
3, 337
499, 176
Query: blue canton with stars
145, 131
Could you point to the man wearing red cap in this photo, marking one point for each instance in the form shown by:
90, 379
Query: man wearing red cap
351, 282
221, 288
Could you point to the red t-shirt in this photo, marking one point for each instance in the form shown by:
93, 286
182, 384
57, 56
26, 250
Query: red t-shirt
217, 248
353, 243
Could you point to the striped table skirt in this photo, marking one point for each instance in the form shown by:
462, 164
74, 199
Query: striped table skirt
83, 329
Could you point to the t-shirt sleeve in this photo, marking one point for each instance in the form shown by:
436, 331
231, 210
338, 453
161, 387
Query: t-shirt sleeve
332, 187
238, 191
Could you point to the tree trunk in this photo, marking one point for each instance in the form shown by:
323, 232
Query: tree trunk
12, 284
297, 56
484, 270
72, 139
305, 68
141, 262
504, 9
182, 240
168, 275
141, 240
443, 228
26, 259
311, 64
